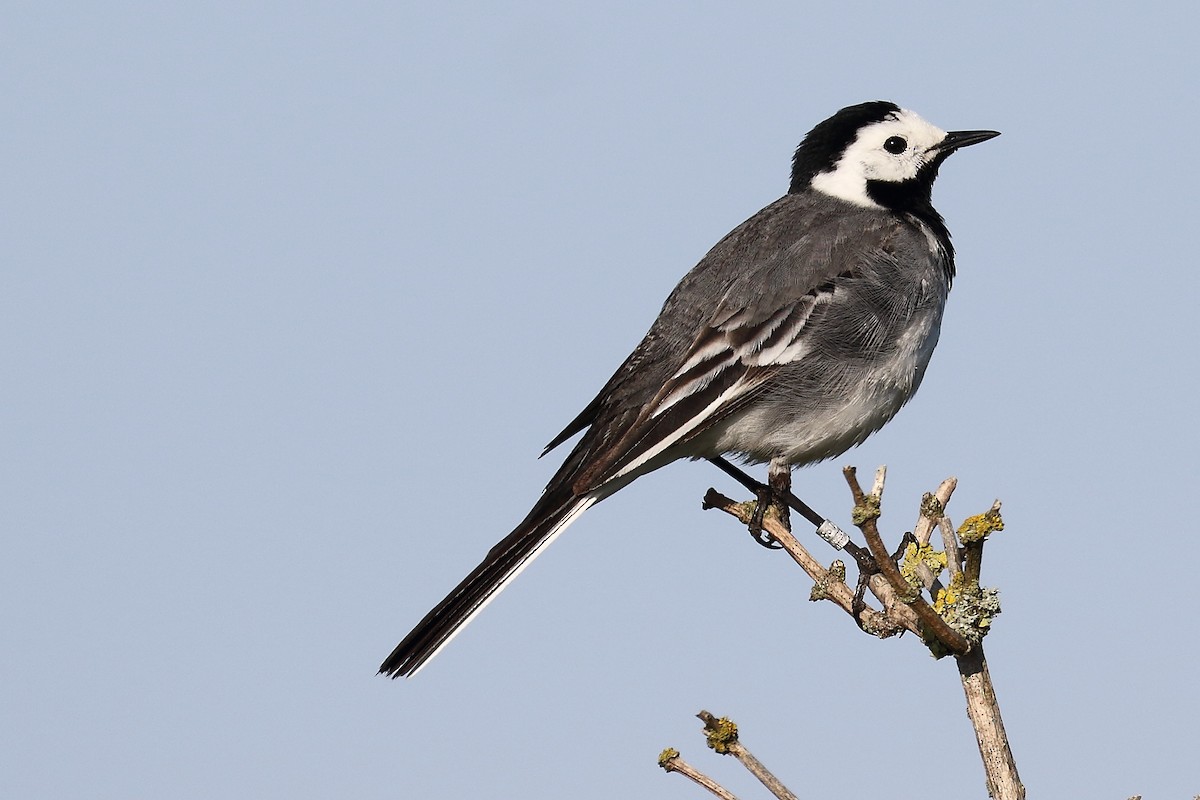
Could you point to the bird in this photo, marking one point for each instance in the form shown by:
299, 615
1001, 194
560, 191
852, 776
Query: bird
799, 334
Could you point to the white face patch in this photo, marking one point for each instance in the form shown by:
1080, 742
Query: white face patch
876, 155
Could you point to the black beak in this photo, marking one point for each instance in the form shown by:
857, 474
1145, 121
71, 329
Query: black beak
958, 139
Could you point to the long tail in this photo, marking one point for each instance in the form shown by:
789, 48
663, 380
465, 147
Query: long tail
545, 522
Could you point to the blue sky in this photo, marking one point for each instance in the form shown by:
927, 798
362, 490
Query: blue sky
295, 293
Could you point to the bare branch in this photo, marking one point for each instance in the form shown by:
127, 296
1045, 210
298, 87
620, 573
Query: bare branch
722, 737
866, 511
880, 478
973, 533
670, 761
984, 711
828, 585
966, 604
950, 544
933, 509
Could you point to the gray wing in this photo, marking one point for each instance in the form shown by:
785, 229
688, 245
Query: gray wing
747, 309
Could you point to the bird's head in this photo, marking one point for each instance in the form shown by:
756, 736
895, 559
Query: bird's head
876, 155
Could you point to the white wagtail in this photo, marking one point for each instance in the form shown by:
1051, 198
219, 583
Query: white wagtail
797, 336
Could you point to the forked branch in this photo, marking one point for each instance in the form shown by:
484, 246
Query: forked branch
952, 621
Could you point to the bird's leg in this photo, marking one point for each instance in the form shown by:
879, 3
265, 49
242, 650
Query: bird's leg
779, 478
867, 566
858, 603
778, 492
863, 558
773, 493
766, 496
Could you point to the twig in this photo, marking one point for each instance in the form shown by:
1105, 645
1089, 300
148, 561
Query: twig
722, 737
896, 614
828, 585
880, 479
796, 504
933, 510
866, 511
973, 533
903, 606
950, 544
828, 531
670, 761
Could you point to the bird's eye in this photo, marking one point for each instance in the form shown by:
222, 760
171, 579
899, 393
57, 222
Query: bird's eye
895, 145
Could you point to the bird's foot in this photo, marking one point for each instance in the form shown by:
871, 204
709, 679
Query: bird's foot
766, 499
772, 494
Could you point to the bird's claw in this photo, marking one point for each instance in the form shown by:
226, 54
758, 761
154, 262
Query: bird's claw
765, 499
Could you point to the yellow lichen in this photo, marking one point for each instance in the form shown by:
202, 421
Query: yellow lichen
867, 510
976, 528
721, 735
914, 557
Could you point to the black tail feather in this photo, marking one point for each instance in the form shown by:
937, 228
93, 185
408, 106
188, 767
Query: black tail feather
448, 616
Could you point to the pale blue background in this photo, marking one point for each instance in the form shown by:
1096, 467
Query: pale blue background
293, 294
